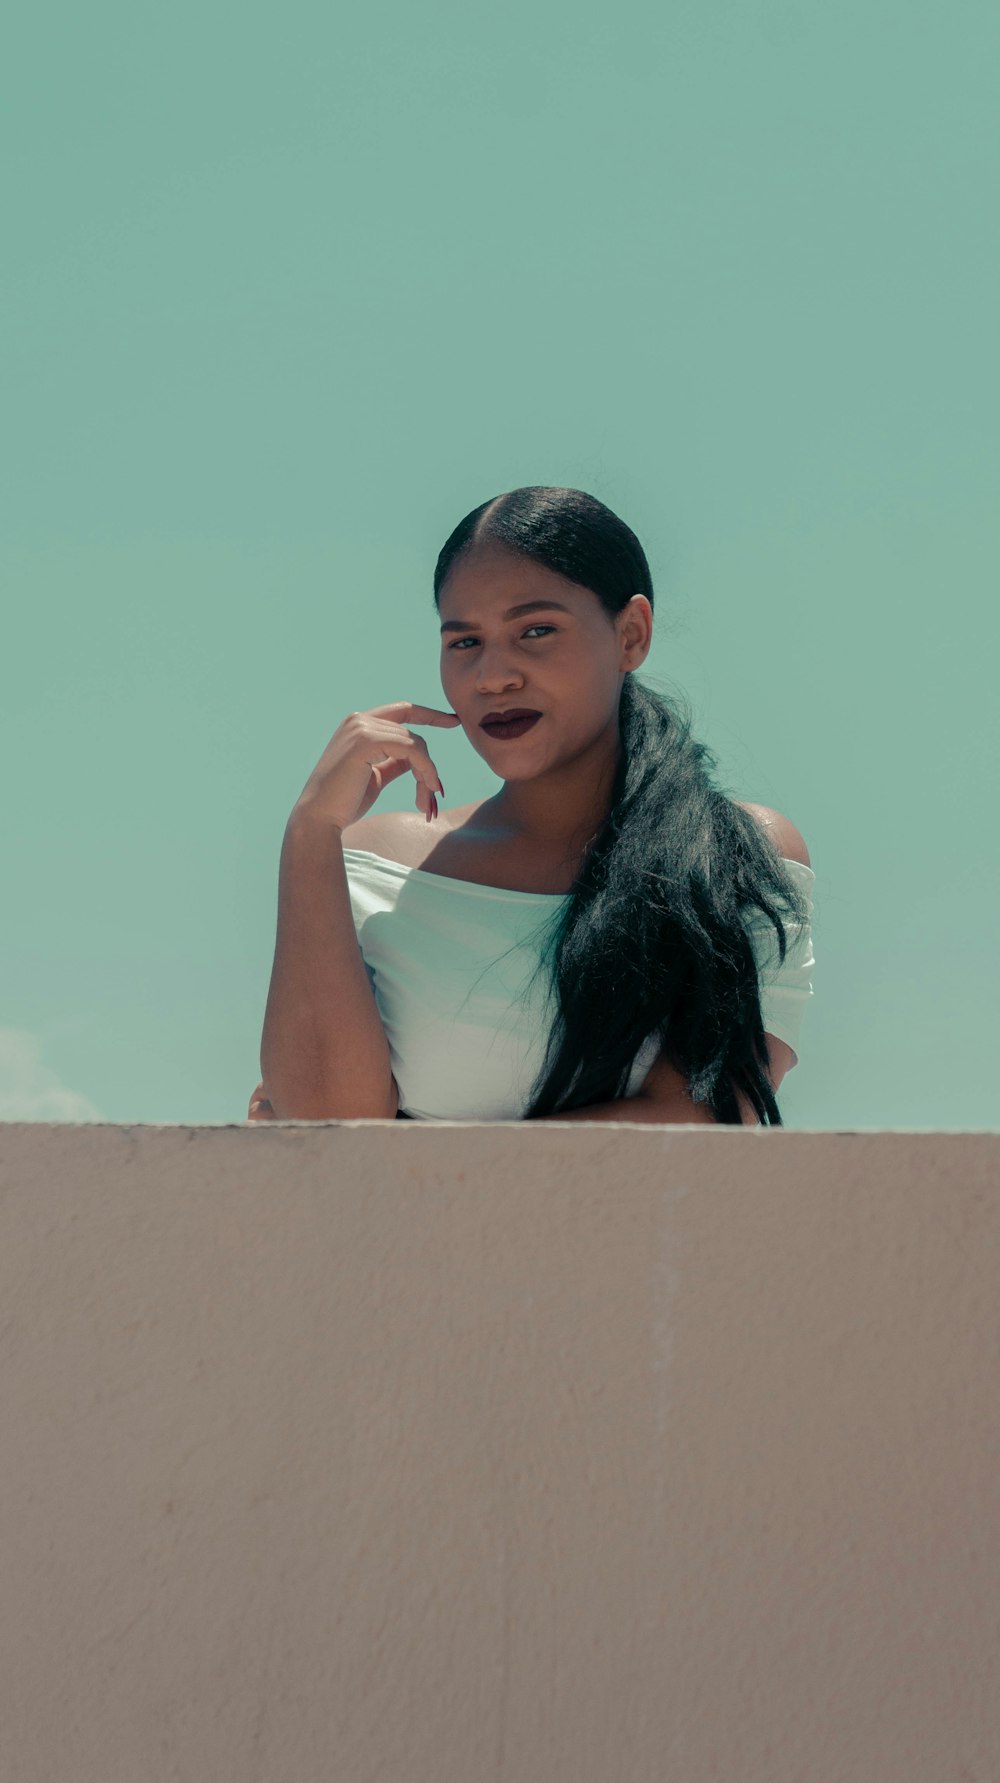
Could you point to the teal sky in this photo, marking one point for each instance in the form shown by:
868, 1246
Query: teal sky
289, 290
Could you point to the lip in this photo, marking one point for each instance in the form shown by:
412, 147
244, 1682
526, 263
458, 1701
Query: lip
508, 717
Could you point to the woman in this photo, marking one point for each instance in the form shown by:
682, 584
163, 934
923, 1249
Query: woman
602, 939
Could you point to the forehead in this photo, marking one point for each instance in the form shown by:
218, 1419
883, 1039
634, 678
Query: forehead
493, 576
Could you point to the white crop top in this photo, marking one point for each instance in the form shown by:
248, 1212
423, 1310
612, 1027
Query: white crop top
450, 965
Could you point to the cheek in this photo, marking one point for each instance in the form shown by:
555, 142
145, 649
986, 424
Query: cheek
457, 665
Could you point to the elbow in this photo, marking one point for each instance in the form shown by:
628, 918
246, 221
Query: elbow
319, 1107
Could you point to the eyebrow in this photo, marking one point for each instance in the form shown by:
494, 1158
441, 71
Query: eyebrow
511, 613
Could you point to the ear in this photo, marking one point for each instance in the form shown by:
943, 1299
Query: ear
636, 634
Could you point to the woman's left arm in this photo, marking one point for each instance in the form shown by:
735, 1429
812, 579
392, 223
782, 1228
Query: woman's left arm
665, 1100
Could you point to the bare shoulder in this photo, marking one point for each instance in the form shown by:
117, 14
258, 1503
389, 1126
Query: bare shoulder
377, 832
403, 836
781, 830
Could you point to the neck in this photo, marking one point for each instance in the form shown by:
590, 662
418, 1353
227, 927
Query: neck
558, 814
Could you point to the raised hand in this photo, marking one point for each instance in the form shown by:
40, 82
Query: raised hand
366, 753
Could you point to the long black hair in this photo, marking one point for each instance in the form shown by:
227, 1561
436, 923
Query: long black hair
653, 938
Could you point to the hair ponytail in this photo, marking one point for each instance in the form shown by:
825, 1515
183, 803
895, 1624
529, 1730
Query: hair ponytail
654, 939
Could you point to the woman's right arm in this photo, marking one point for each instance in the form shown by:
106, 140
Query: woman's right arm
323, 1054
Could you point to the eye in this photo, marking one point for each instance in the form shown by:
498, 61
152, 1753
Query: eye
530, 628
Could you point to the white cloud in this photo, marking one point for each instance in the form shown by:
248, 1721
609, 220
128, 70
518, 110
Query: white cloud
29, 1090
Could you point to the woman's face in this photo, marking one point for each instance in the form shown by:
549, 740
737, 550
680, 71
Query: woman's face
565, 659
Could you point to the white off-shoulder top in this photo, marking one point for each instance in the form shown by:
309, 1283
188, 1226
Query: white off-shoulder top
451, 964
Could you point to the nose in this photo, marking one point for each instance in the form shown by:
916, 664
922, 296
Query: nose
493, 676
497, 683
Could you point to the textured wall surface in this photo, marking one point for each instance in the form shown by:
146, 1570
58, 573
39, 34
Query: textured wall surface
384, 1453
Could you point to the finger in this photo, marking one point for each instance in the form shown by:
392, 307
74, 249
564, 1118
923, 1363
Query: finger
428, 785
419, 763
387, 771
260, 1108
427, 801
385, 734
407, 712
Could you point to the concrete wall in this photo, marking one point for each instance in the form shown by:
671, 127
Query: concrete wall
389, 1453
